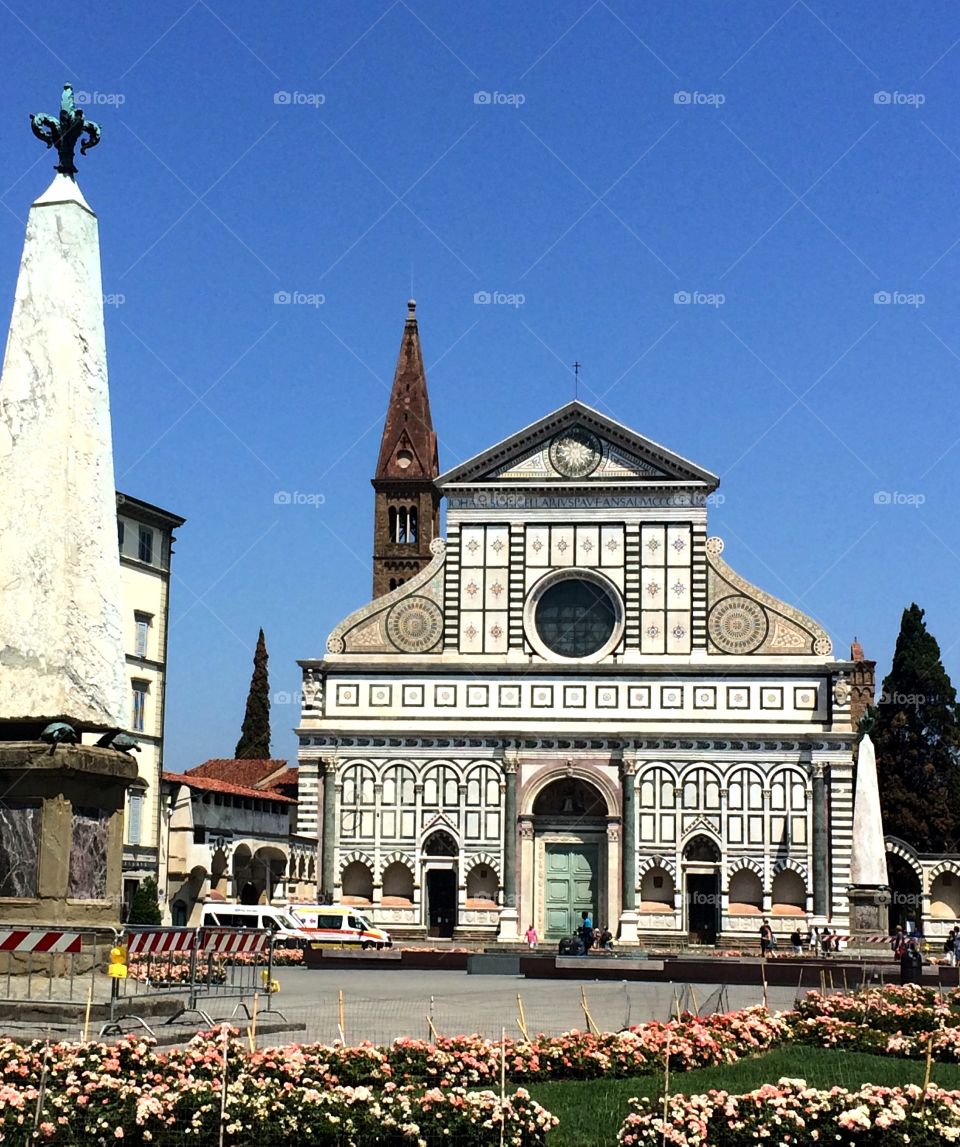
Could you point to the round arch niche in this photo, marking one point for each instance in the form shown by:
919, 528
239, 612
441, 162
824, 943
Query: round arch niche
702, 850
440, 843
570, 797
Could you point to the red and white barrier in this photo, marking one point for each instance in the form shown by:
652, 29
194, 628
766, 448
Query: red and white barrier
861, 939
39, 940
162, 942
229, 943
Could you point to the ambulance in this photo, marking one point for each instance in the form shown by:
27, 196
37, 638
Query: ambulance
288, 931
340, 925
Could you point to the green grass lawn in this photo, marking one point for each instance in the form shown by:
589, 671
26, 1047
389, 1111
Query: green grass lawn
591, 1113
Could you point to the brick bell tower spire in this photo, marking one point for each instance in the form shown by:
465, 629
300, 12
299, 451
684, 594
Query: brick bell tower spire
407, 504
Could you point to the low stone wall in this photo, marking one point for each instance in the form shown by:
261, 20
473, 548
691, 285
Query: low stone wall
392, 958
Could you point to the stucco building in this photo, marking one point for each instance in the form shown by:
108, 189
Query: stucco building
575, 704
145, 535
229, 833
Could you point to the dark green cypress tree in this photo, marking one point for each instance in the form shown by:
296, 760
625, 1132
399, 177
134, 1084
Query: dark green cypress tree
914, 729
145, 907
254, 743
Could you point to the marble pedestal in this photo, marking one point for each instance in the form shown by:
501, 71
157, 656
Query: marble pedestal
629, 922
869, 907
508, 931
71, 800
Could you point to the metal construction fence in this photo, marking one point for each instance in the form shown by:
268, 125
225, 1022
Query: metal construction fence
199, 966
138, 975
54, 964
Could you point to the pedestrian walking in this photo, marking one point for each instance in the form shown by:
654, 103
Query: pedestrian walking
585, 931
911, 964
797, 941
766, 938
531, 937
898, 943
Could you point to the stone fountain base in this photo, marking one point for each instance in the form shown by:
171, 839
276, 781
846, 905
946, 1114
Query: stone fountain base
61, 833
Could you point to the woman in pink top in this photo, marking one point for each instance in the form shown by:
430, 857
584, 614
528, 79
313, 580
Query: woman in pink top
531, 938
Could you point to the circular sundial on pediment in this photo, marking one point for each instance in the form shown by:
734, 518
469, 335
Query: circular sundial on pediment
737, 625
415, 625
575, 453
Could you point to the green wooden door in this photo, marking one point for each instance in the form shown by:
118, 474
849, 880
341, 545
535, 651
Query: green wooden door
570, 887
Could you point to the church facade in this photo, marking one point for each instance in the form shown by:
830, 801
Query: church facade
571, 702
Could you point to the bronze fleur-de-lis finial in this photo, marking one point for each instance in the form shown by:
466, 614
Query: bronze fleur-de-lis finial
64, 132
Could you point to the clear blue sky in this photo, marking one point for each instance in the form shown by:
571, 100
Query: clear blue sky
783, 183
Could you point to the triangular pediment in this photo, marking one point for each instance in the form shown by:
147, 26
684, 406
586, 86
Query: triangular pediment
581, 445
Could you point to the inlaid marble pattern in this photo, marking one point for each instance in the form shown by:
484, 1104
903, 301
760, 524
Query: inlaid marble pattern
19, 848
88, 854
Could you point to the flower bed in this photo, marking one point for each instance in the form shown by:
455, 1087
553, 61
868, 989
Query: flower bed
131, 1091
903, 1021
415, 1090
790, 1112
172, 970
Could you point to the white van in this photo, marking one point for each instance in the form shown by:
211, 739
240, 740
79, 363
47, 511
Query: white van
339, 924
287, 931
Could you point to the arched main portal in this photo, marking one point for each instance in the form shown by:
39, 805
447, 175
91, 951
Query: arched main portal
570, 818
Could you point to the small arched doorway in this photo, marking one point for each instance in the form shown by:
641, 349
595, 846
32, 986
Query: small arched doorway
440, 856
701, 874
570, 822
906, 894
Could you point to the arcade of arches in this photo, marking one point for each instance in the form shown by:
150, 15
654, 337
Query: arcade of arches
699, 849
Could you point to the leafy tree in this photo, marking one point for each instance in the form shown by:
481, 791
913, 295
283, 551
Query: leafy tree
254, 743
145, 908
915, 730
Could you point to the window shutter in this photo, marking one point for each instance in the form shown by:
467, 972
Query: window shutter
134, 818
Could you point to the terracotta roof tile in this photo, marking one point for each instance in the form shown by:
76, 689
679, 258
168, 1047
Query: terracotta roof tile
239, 772
215, 785
289, 778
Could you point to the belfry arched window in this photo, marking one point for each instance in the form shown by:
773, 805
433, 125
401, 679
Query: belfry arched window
402, 523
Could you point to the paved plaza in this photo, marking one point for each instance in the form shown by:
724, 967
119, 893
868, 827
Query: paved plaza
382, 1005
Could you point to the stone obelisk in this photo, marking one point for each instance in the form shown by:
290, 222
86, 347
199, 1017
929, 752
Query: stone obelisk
869, 891
61, 652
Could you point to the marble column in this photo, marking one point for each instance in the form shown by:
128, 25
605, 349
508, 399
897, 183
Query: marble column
628, 851
509, 916
328, 771
821, 886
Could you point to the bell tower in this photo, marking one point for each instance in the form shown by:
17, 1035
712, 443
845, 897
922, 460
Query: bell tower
406, 502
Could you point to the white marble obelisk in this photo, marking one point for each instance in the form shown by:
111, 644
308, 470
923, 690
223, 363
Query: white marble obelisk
869, 885
61, 651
